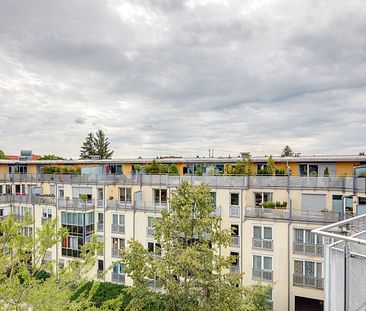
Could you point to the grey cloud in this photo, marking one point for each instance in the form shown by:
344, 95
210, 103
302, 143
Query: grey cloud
183, 76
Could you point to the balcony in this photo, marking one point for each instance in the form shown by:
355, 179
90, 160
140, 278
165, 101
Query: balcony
262, 244
99, 203
262, 275
118, 229
150, 231
234, 211
119, 205
76, 204
116, 253
235, 241
308, 249
118, 278
267, 213
308, 281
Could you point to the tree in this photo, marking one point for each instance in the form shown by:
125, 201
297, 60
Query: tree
101, 145
192, 268
24, 282
51, 157
242, 167
270, 166
2, 155
287, 151
88, 148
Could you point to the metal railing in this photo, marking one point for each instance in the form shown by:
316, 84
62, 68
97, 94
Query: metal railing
263, 275
116, 253
267, 213
100, 226
240, 182
118, 278
308, 249
235, 241
307, 281
262, 244
118, 229
234, 211
150, 231
235, 269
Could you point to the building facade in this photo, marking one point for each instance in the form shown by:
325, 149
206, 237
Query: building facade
271, 218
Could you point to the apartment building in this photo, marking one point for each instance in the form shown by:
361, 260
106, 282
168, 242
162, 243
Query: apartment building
271, 219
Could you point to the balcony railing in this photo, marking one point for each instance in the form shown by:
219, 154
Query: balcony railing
116, 204
116, 253
262, 244
99, 203
234, 211
267, 213
235, 269
118, 229
264, 275
235, 241
118, 278
27, 199
76, 204
240, 182
100, 226
308, 249
308, 281
150, 231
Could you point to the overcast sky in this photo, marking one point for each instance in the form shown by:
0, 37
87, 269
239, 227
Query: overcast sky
179, 77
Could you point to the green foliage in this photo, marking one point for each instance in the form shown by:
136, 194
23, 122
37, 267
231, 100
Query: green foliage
242, 167
96, 145
192, 273
326, 172
101, 145
279, 171
51, 157
24, 284
269, 205
61, 170
313, 174
2, 155
155, 168
287, 151
270, 167
173, 170
103, 294
198, 171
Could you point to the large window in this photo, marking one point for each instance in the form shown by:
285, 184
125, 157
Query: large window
262, 267
308, 170
337, 203
80, 228
160, 196
307, 237
234, 199
46, 213
262, 237
154, 248
261, 197
308, 274
125, 195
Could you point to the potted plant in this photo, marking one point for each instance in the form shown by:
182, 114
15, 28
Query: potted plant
278, 204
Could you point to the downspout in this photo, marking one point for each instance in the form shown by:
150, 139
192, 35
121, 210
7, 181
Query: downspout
241, 234
288, 240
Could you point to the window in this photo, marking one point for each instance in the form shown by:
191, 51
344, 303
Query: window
308, 170
100, 195
234, 199
262, 237
307, 237
125, 195
100, 265
100, 218
234, 230
154, 248
261, 197
235, 256
118, 268
118, 243
8, 189
46, 213
118, 219
308, 268
160, 196
262, 232
1, 212
17, 189
337, 203
115, 169
61, 193
213, 198
262, 262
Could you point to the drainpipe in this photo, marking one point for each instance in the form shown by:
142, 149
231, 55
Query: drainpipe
289, 240
241, 234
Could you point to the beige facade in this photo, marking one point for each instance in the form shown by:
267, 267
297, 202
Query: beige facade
274, 245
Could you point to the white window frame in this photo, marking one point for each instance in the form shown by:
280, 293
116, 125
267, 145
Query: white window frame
316, 238
262, 262
120, 222
262, 232
315, 268
123, 191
